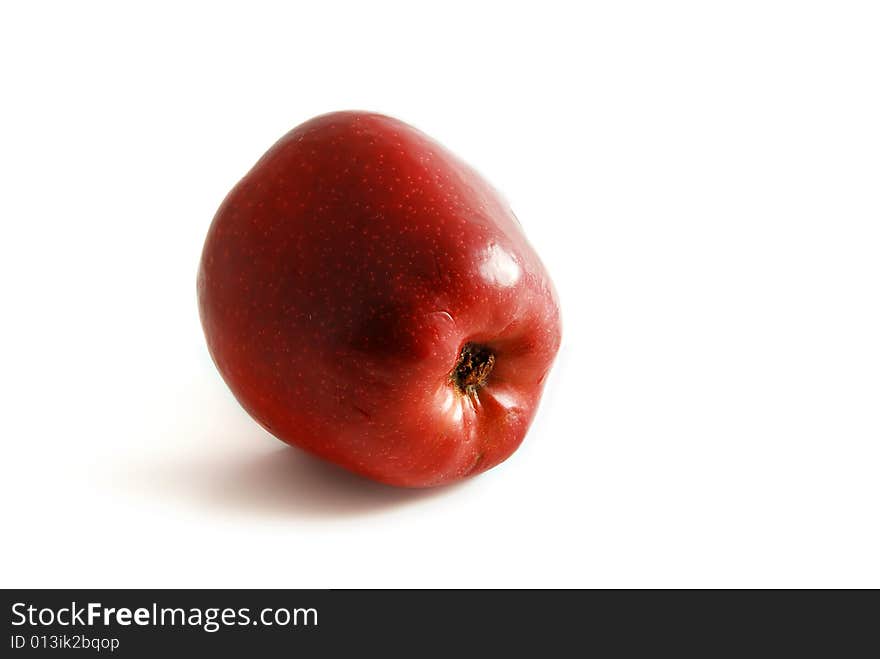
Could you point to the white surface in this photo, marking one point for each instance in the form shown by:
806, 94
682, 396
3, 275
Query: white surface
702, 181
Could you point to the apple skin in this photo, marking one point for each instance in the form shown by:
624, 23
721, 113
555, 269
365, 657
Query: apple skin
342, 279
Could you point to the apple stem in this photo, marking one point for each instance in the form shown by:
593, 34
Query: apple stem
471, 371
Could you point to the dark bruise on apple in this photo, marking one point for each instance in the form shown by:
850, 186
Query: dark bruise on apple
368, 297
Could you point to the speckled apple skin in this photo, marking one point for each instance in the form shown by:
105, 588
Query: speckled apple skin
340, 279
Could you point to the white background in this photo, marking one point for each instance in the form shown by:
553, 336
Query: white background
702, 179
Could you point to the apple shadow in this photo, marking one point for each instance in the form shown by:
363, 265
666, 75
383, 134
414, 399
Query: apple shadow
282, 482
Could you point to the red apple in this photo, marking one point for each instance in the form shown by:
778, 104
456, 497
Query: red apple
368, 297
